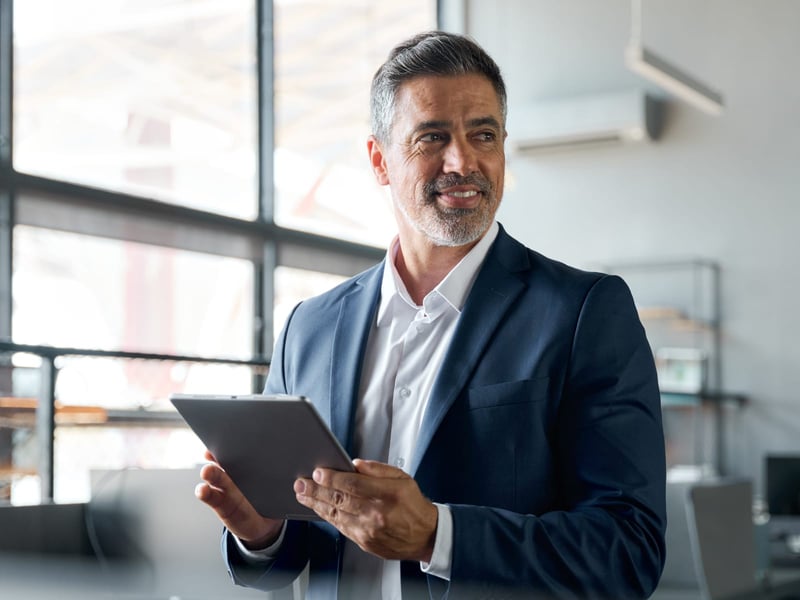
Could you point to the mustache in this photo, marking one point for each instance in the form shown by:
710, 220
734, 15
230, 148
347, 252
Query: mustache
448, 180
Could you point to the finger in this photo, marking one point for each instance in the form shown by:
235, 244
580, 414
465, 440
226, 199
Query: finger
215, 476
373, 480
209, 456
340, 480
223, 495
218, 491
328, 501
379, 469
364, 481
337, 513
209, 495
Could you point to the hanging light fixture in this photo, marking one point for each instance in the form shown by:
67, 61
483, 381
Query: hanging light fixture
670, 78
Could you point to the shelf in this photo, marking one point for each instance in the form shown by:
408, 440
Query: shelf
21, 413
686, 400
661, 313
675, 317
679, 400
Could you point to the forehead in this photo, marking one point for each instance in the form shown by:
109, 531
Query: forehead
446, 98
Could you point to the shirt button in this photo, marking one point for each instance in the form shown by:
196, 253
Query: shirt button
405, 392
400, 462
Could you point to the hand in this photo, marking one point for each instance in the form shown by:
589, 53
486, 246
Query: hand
379, 507
234, 510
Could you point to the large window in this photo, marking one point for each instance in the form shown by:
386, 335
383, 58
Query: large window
143, 251
149, 97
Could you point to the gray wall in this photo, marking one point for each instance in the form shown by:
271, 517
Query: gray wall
723, 188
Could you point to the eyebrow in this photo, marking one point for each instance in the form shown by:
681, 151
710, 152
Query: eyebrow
481, 121
441, 124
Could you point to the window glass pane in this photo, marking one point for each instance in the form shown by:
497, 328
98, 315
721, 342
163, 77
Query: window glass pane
138, 385
110, 414
86, 292
325, 56
123, 447
150, 97
294, 285
137, 427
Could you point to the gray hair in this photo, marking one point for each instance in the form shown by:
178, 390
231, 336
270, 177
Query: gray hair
430, 53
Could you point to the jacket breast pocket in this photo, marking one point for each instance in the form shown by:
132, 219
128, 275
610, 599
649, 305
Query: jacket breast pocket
508, 393
500, 439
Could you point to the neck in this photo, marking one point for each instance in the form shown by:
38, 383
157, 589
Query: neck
423, 269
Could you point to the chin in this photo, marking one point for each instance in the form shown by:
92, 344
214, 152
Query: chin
462, 236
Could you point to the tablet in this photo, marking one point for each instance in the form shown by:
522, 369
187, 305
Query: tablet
265, 442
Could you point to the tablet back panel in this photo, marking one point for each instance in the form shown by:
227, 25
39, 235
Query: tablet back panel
264, 443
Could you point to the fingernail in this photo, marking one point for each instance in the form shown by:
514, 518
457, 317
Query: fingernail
317, 475
300, 487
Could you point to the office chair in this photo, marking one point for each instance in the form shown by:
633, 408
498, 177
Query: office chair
722, 538
722, 535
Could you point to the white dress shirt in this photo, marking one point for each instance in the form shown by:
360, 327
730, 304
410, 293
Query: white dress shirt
405, 350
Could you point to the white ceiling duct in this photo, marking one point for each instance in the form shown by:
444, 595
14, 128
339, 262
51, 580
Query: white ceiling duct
668, 77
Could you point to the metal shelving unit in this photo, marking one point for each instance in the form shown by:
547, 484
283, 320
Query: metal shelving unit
679, 304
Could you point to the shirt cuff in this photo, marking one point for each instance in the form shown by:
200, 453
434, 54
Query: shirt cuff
262, 555
442, 556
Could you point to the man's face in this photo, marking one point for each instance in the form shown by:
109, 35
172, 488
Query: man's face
445, 159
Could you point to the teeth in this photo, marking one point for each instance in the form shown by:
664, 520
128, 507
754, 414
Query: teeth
469, 194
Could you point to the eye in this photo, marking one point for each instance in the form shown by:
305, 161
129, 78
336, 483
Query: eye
486, 136
432, 137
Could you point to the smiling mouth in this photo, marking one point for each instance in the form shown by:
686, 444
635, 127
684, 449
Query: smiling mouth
468, 194
457, 192
459, 199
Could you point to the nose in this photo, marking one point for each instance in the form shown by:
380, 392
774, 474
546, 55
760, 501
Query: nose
460, 157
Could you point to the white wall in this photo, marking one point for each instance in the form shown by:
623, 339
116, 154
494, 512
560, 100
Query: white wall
723, 188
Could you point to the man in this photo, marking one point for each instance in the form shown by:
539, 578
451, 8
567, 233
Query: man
504, 406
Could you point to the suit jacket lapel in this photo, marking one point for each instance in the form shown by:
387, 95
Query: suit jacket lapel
493, 293
356, 315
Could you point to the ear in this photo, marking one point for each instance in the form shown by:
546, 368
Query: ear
377, 160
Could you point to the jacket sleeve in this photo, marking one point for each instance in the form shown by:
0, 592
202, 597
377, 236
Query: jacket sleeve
272, 575
606, 540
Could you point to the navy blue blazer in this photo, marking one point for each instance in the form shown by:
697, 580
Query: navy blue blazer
543, 433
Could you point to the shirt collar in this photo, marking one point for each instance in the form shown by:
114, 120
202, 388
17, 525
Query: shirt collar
454, 288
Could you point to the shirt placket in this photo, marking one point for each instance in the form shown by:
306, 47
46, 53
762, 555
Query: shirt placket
407, 403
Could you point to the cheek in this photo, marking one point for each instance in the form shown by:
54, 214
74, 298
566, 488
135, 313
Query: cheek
414, 183
496, 173
407, 189
409, 173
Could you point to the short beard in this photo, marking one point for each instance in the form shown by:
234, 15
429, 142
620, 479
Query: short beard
453, 227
